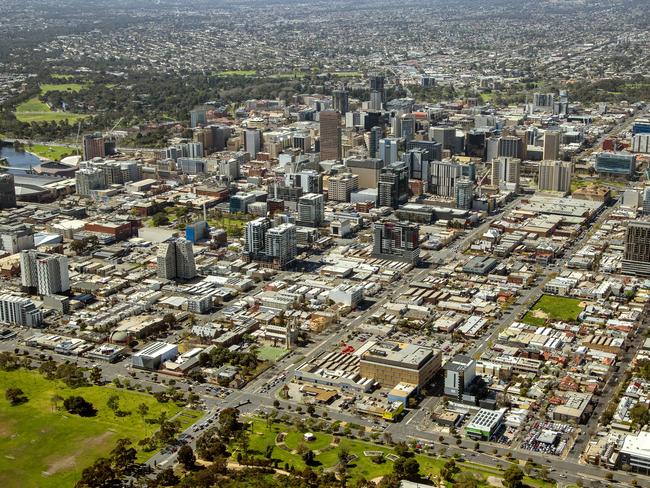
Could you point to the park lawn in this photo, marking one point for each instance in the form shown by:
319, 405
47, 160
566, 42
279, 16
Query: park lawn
49, 116
555, 308
347, 74
32, 105
45, 448
294, 439
55, 153
289, 76
72, 87
239, 72
59, 76
270, 353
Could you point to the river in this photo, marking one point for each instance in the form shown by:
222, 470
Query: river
18, 160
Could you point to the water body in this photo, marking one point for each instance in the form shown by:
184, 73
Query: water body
19, 161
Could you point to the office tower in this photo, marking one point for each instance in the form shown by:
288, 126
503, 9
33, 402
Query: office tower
311, 181
376, 100
554, 176
197, 231
340, 101
377, 91
396, 241
646, 201
16, 238
19, 311
445, 136
131, 171
190, 166
341, 186
561, 106
330, 135
475, 142
636, 258
175, 260
407, 127
302, 141
641, 143
616, 164
366, 169
255, 235
377, 82
510, 147
252, 142
88, 179
280, 244
198, 116
93, 146
7, 191
45, 273
229, 168
460, 371
417, 164
468, 170
212, 138
388, 149
432, 149
311, 210
442, 178
505, 173
393, 186
552, 140
353, 119
376, 134
464, 193
543, 100
491, 149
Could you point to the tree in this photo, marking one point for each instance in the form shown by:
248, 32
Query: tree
142, 410
79, 406
168, 430
159, 219
113, 403
123, 456
167, 478
449, 470
276, 403
513, 477
407, 468
48, 369
402, 449
15, 396
308, 457
465, 479
311, 410
640, 415
99, 475
229, 423
95, 375
186, 456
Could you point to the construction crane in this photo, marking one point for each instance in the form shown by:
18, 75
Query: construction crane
76, 142
110, 132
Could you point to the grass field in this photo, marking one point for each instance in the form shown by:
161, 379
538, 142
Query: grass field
270, 353
45, 448
74, 87
55, 153
238, 72
33, 110
62, 77
347, 74
550, 307
361, 467
33, 105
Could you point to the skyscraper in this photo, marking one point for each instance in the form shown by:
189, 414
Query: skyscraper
198, 116
636, 258
555, 176
311, 210
255, 236
445, 136
376, 134
280, 245
19, 311
252, 142
93, 146
7, 191
552, 140
396, 241
175, 259
47, 274
340, 101
330, 135
407, 127
417, 164
377, 91
442, 178
464, 193
341, 186
393, 186
505, 173
510, 147
367, 170
88, 179
388, 149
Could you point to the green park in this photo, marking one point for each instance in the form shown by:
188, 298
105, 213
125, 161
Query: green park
44, 445
554, 308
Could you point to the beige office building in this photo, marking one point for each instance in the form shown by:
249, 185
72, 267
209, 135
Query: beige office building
390, 363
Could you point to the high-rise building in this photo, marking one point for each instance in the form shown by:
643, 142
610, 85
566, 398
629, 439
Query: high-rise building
252, 142
197, 231
510, 147
341, 186
198, 116
7, 191
417, 163
636, 258
19, 311
464, 193
445, 136
330, 135
505, 173
229, 168
93, 146
280, 245
376, 134
311, 181
340, 101
616, 164
552, 140
16, 238
88, 179
543, 100
443, 176
47, 274
377, 91
432, 149
255, 235
366, 169
393, 186
311, 210
460, 371
407, 131
555, 176
388, 149
190, 166
175, 260
646, 201
396, 241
